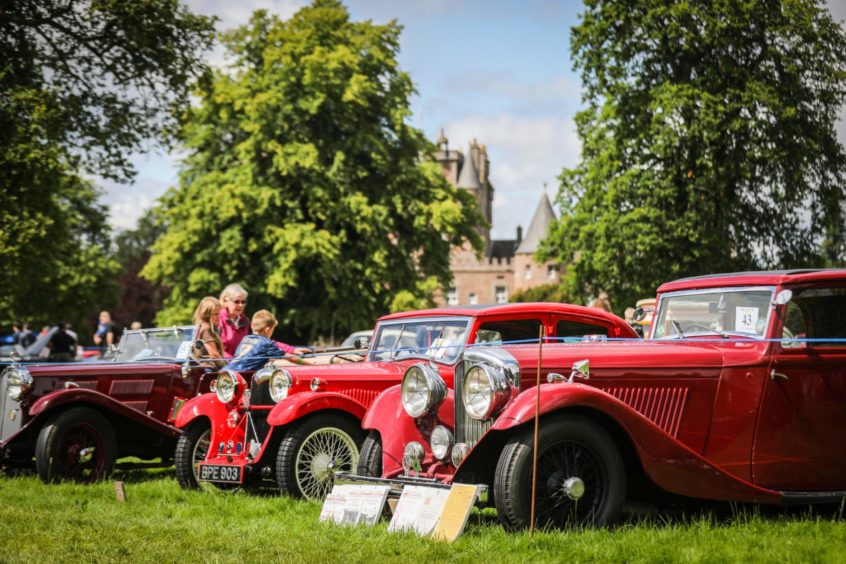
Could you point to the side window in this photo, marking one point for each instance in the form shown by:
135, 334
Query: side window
508, 330
817, 313
565, 329
795, 326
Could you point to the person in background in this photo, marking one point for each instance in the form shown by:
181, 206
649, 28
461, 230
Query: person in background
62, 345
233, 325
69, 330
602, 303
206, 319
135, 325
107, 333
255, 350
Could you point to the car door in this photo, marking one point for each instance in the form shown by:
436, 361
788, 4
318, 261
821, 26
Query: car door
798, 441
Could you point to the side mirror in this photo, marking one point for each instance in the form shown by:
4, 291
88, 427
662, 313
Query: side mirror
581, 369
362, 343
639, 314
783, 297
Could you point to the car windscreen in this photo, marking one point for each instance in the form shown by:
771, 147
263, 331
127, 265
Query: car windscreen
440, 338
723, 311
155, 344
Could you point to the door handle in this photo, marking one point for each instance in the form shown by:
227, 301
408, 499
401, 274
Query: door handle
777, 375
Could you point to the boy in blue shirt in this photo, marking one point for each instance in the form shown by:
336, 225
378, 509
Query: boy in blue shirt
255, 350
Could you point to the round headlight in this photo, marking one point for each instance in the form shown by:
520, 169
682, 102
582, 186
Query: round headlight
280, 383
225, 386
441, 442
485, 391
423, 390
19, 383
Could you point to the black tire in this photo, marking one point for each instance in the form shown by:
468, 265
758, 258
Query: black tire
312, 451
570, 447
191, 448
370, 459
76, 445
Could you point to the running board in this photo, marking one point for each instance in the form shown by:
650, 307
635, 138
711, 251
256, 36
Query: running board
803, 498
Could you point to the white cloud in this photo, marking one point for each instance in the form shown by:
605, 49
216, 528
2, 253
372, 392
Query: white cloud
233, 14
525, 153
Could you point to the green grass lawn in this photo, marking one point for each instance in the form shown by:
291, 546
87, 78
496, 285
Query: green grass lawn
162, 523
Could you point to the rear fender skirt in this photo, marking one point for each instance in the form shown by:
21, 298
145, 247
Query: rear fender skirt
669, 463
299, 405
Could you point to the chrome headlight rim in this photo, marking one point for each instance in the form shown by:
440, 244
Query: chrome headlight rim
441, 442
226, 384
496, 391
18, 383
432, 394
279, 385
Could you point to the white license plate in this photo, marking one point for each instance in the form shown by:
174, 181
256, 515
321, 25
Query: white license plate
220, 473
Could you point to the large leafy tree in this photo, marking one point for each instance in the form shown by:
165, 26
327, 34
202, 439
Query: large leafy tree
305, 183
83, 83
708, 143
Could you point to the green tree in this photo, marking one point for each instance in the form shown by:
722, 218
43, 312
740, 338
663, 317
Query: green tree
544, 293
305, 183
708, 143
83, 83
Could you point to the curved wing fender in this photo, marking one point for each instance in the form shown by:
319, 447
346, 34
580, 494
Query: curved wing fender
52, 401
205, 405
671, 464
397, 429
300, 405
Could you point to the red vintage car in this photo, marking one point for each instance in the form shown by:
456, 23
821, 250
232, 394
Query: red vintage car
740, 396
301, 425
76, 419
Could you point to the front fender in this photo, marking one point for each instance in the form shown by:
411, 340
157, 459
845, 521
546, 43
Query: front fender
396, 428
671, 464
206, 405
299, 405
59, 398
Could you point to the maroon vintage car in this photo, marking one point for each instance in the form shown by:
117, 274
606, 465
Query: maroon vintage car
76, 419
740, 396
301, 425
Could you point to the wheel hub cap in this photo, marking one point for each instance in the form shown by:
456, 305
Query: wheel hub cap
86, 454
574, 488
321, 465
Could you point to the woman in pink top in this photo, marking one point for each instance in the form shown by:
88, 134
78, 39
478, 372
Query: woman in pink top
233, 325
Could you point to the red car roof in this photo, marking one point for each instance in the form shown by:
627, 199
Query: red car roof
759, 278
517, 308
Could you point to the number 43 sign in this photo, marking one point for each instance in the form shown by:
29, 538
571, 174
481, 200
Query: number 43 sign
745, 319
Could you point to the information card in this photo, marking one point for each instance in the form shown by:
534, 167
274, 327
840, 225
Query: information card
350, 504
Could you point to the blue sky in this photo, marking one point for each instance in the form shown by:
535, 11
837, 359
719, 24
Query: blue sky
498, 71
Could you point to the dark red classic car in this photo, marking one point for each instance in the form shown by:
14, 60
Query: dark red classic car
740, 396
72, 421
301, 425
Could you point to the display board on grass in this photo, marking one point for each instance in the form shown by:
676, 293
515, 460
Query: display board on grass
439, 513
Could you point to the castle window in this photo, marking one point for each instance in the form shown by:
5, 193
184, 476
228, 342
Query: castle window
501, 294
452, 296
528, 274
472, 298
551, 272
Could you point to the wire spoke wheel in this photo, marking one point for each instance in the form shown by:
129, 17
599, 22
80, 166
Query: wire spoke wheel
581, 478
81, 454
323, 453
315, 449
76, 445
555, 505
